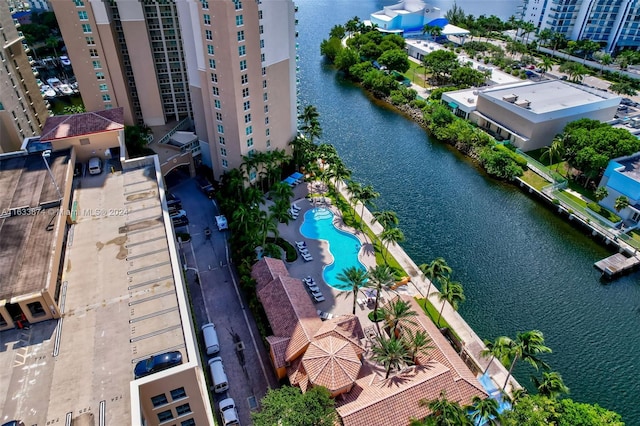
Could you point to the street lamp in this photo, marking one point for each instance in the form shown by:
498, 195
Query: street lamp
46, 154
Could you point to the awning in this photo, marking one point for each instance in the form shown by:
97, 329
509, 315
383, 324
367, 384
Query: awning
453, 105
297, 175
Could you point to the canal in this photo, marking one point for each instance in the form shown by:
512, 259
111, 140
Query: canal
522, 267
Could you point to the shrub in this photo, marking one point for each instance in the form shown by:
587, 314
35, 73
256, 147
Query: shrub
610, 216
500, 164
418, 103
376, 316
520, 160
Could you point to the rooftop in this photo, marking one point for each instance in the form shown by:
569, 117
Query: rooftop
68, 126
631, 166
28, 232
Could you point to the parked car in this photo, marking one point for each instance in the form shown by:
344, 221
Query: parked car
531, 67
205, 186
14, 423
65, 60
228, 412
157, 363
173, 203
178, 217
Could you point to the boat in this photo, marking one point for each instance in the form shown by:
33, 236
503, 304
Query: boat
48, 92
54, 83
65, 89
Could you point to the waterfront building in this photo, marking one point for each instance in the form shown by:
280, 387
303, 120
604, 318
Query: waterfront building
528, 114
22, 108
614, 24
225, 68
622, 178
40, 5
98, 254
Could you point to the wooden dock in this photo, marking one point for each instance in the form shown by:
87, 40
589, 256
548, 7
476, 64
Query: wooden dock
617, 264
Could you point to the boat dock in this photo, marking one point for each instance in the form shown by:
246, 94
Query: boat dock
617, 264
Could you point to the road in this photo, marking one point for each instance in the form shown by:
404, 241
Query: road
216, 298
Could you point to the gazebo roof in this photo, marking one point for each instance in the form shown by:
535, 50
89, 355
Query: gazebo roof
331, 362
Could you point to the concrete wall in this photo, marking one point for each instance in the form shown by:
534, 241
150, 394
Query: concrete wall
98, 143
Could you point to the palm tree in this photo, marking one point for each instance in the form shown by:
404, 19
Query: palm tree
601, 193
300, 146
496, 349
621, 203
309, 115
445, 412
396, 312
390, 352
266, 224
356, 278
605, 60
367, 194
380, 277
551, 384
435, 271
527, 346
546, 64
484, 411
388, 236
354, 189
451, 292
385, 218
417, 343
544, 36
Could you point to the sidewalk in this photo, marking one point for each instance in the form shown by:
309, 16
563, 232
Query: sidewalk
472, 343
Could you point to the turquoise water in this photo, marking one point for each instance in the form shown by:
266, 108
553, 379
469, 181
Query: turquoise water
318, 224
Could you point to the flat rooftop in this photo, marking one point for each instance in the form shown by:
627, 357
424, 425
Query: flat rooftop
120, 306
469, 97
28, 234
631, 167
551, 95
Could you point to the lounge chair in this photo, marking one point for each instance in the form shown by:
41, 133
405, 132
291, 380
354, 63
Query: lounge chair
307, 257
362, 303
303, 250
301, 243
296, 207
310, 282
319, 299
314, 289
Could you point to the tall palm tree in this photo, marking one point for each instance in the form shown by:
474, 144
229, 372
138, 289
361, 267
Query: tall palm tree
528, 346
354, 189
484, 411
388, 236
621, 203
390, 352
397, 312
605, 60
551, 384
451, 292
445, 412
366, 196
601, 193
546, 64
309, 115
301, 146
356, 278
435, 271
417, 343
266, 224
385, 218
380, 277
281, 191
496, 349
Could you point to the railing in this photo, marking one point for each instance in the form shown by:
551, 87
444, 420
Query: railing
183, 124
541, 169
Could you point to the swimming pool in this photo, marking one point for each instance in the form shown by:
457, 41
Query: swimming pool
318, 224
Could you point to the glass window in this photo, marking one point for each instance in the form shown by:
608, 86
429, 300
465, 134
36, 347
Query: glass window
243, 65
90, 41
106, 98
224, 164
266, 109
214, 78
262, 57
268, 143
218, 116
267, 132
223, 152
266, 120
100, 75
205, 4
159, 400
244, 79
250, 142
264, 84
239, 20
259, 14
164, 416
209, 49
240, 35
247, 105
79, 3
261, 44
208, 34
248, 130
212, 64
178, 393
242, 50
264, 71
253, 174
247, 118
216, 91
207, 19
265, 97
103, 88
82, 14
93, 53
97, 65
238, 4
261, 28
86, 28
216, 103
220, 128
221, 140
245, 92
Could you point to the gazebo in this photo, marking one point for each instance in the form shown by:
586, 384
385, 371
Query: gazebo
333, 363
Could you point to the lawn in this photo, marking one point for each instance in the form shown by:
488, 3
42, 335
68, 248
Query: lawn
575, 199
415, 73
535, 180
433, 313
635, 235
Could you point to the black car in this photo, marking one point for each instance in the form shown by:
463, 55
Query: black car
205, 186
14, 423
157, 363
180, 220
173, 202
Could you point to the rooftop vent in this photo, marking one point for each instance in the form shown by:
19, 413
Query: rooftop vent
510, 98
471, 100
523, 103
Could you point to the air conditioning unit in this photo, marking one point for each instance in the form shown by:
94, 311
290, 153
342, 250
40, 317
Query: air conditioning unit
510, 98
523, 103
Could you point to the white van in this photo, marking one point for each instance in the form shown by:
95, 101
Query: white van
95, 166
210, 337
220, 383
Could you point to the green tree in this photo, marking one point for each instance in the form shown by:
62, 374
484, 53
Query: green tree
621, 203
356, 279
370, 50
289, 406
388, 236
445, 412
365, 196
544, 36
528, 347
396, 313
623, 88
466, 76
395, 59
555, 151
73, 109
575, 71
550, 385
346, 58
436, 270
416, 343
385, 218
496, 349
380, 278
441, 63
452, 292
484, 411
601, 193
390, 352
546, 64
433, 30
337, 31
136, 139
331, 48
455, 15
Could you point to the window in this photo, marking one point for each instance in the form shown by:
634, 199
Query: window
216, 91
106, 98
268, 143
242, 50
261, 44
247, 105
212, 64
250, 142
266, 121
164, 416
245, 92
243, 65
97, 65
36, 309
266, 109
108, 106
205, 4
218, 116
253, 174
159, 400
221, 140
103, 87
262, 57
216, 103
79, 3
208, 34
238, 4
178, 393
220, 128
224, 164
244, 79
93, 53
209, 49
82, 14
264, 84
240, 35
100, 75
207, 19
264, 71
261, 28
86, 28
265, 97
267, 132
259, 14
247, 118
90, 41
248, 130
223, 152
239, 20
214, 78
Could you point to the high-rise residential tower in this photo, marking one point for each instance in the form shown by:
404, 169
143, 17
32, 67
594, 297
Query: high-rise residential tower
614, 23
228, 65
22, 108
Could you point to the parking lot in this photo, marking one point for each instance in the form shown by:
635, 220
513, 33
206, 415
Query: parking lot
216, 298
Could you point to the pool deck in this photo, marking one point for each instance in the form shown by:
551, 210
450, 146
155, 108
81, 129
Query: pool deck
336, 302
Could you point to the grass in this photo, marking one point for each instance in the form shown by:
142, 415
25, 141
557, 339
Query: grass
534, 179
415, 73
610, 216
635, 235
433, 313
575, 199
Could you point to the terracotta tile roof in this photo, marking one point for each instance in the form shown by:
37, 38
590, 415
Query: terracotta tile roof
346, 327
297, 375
267, 269
278, 347
68, 126
331, 362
